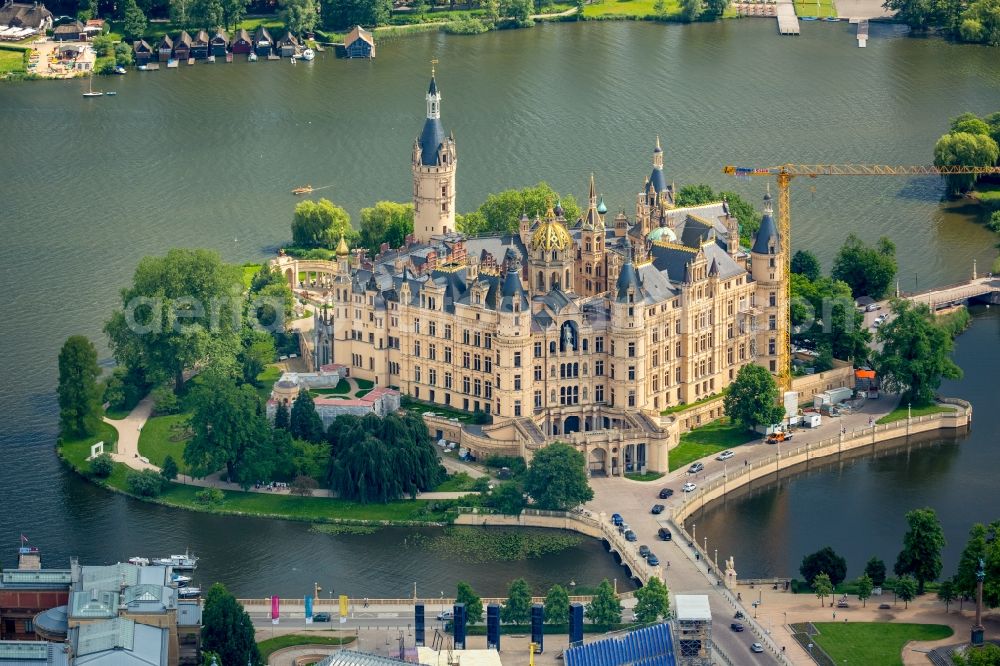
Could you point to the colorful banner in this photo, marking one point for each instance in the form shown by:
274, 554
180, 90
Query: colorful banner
275, 608
309, 609
343, 608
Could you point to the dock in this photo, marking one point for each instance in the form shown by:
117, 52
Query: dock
862, 33
788, 22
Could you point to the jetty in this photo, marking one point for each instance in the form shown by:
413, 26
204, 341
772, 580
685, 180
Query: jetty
788, 22
862, 33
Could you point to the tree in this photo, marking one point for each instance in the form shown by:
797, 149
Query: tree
987, 655
824, 560
169, 469
134, 25
304, 486
946, 593
517, 608
233, 12
865, 587
103, 45
691, 9
299, 16
230, 430
920, 15
518, 11
123, 54
473, 604
145, 483
695, 195
557, 478
281, 421
752, 399
964, 149
922, 546
180, 12
975, 550
506, 498
981, 23
822, 586
605, 607
906, 589
915, 355
79, 395
321, 224
305, 422
715, 8
256, 351
869, 271
501, 212
210, 497
805, 263
386, 222
652, 601
875, 569
102, 466
342, 14
227, 629
557, 605
207, 12
182, 310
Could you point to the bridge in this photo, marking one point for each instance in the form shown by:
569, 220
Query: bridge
979, 288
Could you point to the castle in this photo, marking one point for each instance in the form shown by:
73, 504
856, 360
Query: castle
581, 331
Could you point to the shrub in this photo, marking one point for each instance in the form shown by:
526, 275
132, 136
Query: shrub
146, 483
303, 485
209, 497
102, 466
994, 223
466, 26
166, 401
169, 469
515, 463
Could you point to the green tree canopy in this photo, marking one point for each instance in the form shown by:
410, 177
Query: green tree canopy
227, 629
805, 263
233, 11
281, 417
557, 478
507, 498
822, 586
824, 560
695, 195
605, 607
915, 355
987, 655
169, 469
875, 569
501, 212
557, 605
207, 13
305, 422
386, 222
865, 587
964, 149
102, 466
473, 604
321, 224
652, 601
145, 483
946, 593
181, 310
299, 16
344, 14
134, 26
975, 549
752, 399
906, 589
517, 608
824, 318
869, 271
922, 546
79, 395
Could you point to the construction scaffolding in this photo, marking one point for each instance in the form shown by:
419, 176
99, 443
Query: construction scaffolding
693, 630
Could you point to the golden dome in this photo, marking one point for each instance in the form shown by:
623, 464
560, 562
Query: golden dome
551, 234
342, 249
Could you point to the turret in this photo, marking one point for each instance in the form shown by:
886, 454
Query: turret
434, 164
766, 267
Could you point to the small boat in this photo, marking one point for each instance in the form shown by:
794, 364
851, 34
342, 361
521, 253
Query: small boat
308, 54
111, 93
185, 562
190, 61
172, 63
90, 90
139, 561
229, 57
810, 18
180, 580
120, 70
831, 19
211, 58
189, 592
306, 189
252, 57
143, 68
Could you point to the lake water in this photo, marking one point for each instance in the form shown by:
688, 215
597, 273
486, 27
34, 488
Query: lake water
206, 156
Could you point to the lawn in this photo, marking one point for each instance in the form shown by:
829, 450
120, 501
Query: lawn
249, 271
822, 9
873, 643
455, 483
271, 374
163, 436
271, 645
406, 402
341, 388
681, 408
708, 440
11, 61
636, 8
899, 413
648, 476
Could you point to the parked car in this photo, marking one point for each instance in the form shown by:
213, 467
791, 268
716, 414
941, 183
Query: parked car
653, 560
884, 607
725, 455
446, 615
657, 509
630, 536
756, 647
643, 550
666, 492
321, 617
872, 307
616, 519
842, 604
695, 468
736, 626
664, 534
688, 487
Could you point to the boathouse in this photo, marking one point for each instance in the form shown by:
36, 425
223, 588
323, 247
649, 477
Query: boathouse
199, 45
219, 44
288, 46
73, 31
242, 42
25, 15
142, 51
165, 49
182, 46
262, 42
359, 43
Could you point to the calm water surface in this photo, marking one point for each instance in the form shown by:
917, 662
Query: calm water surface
205, 156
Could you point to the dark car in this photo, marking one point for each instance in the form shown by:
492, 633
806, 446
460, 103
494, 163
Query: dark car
666, 492
657, 509
736, 626
643, 550
884, 607
321, 617
616, 519
630, 536
664, 534
653, 560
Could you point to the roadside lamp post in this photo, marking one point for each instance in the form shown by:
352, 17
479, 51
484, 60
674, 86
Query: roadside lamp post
706, 546
694, 531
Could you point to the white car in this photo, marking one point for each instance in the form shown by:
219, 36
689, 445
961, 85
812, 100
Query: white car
688, 487
726, 455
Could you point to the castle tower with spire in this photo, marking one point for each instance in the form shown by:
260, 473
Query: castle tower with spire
434, 164
766, 266
591, 270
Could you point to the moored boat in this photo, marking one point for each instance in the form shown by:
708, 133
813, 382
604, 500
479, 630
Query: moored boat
308, 54
305, 189
189, 592
139, 561
186, 562
180, 580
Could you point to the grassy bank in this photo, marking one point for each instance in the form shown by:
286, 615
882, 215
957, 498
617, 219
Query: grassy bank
163, 436
901, 412
709, 439
696, 403
13, 59
873, 643
271, 645
821, 9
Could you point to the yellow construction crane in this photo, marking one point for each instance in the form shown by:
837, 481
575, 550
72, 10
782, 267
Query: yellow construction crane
784, 175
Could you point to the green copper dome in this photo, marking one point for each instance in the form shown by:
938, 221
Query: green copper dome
665, 234
601, 208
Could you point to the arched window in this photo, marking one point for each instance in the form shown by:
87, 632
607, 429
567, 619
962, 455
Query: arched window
555, 281
541, 280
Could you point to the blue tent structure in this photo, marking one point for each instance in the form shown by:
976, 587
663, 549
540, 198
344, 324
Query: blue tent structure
649, 646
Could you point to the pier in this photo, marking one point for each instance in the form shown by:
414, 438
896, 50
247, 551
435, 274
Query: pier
788, 23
